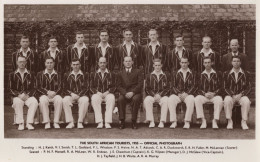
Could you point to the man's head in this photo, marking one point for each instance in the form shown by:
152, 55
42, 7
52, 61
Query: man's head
53, 42
103, 35
75, 65
179, 41
102, 63
25, 42
157, 65
206, 42
49, 63
207, 63
79, 37
128, 35
128, 62
153, 35
236, 62
184, 63
21, 62
234, 45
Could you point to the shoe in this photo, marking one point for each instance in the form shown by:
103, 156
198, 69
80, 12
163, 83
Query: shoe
107, 125
134, 126
151, 125
47, 125
214, 124
186, 125
230, 124
161, 125
122, 125
203, 124
173, 125
56, 125
70, 125
21, 126
244, 125
100, 125
80, 126
29, 126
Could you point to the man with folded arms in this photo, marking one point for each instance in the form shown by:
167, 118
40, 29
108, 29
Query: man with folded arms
75, 87
22, 89
49, 87
102, 87
157, 88
209, 90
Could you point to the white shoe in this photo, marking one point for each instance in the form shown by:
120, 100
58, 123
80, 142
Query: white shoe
21, 126
100, 125
47, 126
203, 124
173, 125
80, 125
56, 125
151, 125
244, 125
107, 125
161, 125
70, 125
186, 125
29, 126
214, 124
230, 124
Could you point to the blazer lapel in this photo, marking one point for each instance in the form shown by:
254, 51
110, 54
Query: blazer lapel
19, 77
233, 77
240, 75
76, 51
187, 76
132, 49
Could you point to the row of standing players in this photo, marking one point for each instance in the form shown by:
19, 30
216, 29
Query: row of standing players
183, 85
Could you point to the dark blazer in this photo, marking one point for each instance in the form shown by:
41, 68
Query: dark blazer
227, 59
18, 86
154, 86
132, 82
32, 60
174, 59
243, 85
79, 86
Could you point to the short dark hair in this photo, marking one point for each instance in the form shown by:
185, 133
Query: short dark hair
207, 58
238, 57
75, 59
153, 30
102, 31
21, 57
157, 60
206, 36
79, 32
52, 37
49, 57
25, 37
178, 36
127, 29
185, 58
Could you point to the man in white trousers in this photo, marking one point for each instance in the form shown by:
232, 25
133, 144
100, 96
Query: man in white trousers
183, 88
49, 88
157, 88
75, 87
22, 89
102, 87
209, 90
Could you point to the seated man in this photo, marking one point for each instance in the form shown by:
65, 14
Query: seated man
183, 86
157, 88
22, 89
75, 87
209, 90
130, 84
49, 88
102, 87
237, 86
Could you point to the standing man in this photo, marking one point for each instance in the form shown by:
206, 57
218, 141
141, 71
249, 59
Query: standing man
237, 86
177, 53
49, 88
29, 54
103, 87
129, 48
55, 53
22, 90
227, 58
80, 51
75, 87
130, 84
152, 51
206, 51
104, 49
183, 88
157, 88
209, 90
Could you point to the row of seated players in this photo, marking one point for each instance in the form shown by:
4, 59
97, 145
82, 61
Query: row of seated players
167, 90
142, 56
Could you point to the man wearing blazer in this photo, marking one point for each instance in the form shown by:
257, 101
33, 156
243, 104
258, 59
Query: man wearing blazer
22, 89
49, 88
157, 88
80, 51
75, 88
183, 88
227, 58
130, 84
237, 86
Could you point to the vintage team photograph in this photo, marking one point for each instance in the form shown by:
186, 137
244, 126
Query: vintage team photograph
130, 71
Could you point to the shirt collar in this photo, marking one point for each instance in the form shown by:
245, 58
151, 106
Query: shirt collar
28, 49
157, 43
53, 72
99, 71
80, 72
55, 49
99, 45
25, 71
132, 43
161, 72
210, 51
211, 71
176, 50
84, 46
129, 69
233, 71
180, 70
233, 54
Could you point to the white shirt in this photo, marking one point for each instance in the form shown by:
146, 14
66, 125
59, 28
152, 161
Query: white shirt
25, 53
103, 49
53, 53
179, 52
102, 74
75, 75
128, 47
184, 72
154, 46
49, 74
235, 54
80, 48
211, 71
128, 69
206, 54
236, 73
22, 73
157, 74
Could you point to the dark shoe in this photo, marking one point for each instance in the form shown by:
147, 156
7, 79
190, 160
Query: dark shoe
134, 126
122, 125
